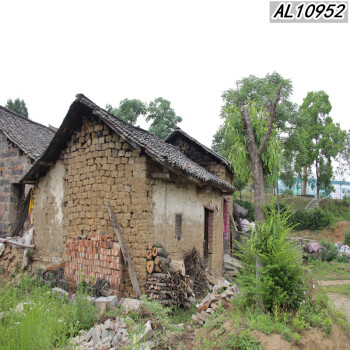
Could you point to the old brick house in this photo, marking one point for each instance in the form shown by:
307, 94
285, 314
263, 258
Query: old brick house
21, 143
157, 193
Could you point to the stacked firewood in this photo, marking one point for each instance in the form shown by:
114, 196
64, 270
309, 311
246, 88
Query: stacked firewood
166, 279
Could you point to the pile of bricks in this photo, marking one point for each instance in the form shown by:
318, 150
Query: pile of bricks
94, 257
212, 301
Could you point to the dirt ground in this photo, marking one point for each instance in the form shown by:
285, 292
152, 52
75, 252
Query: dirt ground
334, 232
313, 339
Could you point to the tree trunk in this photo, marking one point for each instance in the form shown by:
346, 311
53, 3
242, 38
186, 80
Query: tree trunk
317, 186
303, 191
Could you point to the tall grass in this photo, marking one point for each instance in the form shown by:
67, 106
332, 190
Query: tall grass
32, 317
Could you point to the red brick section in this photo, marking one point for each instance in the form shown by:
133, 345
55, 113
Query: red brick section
94, 257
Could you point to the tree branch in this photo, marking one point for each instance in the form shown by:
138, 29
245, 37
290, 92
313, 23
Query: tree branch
248, 130
272, 118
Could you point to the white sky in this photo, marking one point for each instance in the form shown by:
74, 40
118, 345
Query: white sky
188, 52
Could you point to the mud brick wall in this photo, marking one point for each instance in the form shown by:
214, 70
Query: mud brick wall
98, 165
179, 197
13, 164
94, 257
207, 161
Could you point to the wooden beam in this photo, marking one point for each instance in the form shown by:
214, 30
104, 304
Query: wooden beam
125, 251
160, 175
5, 240
48, 164
204, 190
23, 216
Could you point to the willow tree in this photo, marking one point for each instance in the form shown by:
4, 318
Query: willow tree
256, 149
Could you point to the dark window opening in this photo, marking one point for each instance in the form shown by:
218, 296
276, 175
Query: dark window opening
178, 227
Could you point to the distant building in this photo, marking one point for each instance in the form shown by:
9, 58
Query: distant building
341, 189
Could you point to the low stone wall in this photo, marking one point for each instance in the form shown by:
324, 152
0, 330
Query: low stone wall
94, 257
11, 259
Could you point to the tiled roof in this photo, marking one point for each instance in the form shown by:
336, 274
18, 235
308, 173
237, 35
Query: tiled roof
166, 154
31, 137
179, 132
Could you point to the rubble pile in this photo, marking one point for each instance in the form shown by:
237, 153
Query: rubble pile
112, 334
212, 301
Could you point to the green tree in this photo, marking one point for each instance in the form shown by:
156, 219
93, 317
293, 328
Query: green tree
262, 91
128, 110
345, 155
256, 149
18, 106
163, 117
256, 153
323, 140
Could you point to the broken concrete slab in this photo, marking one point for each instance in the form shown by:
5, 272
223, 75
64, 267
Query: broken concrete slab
103, 303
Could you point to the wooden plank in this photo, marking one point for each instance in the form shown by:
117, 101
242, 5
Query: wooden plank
23, 216
125, 251
6, 240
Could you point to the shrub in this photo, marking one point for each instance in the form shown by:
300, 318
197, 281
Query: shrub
280, 282
347, 237
314, 219
330, 251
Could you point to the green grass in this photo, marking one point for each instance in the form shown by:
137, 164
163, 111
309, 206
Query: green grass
46, 321
322, 270
343, 289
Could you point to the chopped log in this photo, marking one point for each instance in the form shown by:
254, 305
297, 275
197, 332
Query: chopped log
150, 266
160, 284
160, 252
157, 268
162, 260
159, 275
149, 254
124, 249
150, 245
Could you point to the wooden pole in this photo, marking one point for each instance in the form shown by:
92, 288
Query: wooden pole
125, 251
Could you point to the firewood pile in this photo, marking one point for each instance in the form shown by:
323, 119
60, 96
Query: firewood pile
195, 267
167, 281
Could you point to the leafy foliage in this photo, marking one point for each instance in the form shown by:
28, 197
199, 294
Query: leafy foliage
281, 280
128, 110
18, 106
262, 91
322, 139
347, 237
271, 157
314, 219
163, 117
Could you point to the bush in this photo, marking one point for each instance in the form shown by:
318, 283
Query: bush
249, 206
330, 251
281, 279
347, 237
314, 219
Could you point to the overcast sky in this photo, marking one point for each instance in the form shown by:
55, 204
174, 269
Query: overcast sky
188, 52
